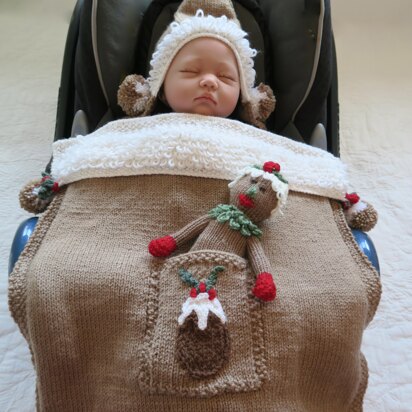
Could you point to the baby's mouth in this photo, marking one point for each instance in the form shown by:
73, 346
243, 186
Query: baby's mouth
206, 97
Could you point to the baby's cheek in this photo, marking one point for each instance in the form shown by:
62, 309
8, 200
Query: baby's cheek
179, 100
188, 94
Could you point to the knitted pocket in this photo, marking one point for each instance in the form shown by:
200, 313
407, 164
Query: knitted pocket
240, 340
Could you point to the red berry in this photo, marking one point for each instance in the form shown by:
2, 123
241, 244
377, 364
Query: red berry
193, 292
202, 287
271, 166
55, 188
212, 294
352, 197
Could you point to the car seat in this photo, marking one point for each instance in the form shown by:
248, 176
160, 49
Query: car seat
108, 40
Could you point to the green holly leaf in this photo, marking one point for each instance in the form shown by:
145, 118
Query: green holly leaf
211, 280
245, 231
223, 217
233, 224
188, 278
256, 232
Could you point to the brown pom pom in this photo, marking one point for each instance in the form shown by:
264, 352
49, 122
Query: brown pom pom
134, 95
256, 112
364, 220
30, 201
267, 103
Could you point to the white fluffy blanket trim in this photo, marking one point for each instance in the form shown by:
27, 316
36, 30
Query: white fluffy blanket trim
194, 145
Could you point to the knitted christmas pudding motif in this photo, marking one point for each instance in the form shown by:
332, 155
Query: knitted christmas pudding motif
202, 344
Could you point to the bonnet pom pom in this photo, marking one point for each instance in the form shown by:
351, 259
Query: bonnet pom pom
133, 95
267, 101
261, 105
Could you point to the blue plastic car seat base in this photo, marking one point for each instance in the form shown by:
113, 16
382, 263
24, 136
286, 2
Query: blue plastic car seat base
367, 247
22, 236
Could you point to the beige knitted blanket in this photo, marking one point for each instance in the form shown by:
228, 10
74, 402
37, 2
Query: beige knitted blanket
100, 313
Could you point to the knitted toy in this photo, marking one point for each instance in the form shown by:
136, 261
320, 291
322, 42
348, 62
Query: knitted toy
254, 196
359, 214
203, 341
36, 195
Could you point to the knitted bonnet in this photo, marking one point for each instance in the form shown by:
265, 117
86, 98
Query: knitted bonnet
194, 19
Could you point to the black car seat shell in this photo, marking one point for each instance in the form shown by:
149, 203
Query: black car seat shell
107, 40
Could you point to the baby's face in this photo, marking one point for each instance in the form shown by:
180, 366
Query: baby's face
203, 79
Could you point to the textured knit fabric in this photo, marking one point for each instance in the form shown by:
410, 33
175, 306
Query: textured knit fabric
100, 313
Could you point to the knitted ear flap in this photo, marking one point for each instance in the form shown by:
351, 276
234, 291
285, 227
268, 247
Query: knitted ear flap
260, 107
134, 96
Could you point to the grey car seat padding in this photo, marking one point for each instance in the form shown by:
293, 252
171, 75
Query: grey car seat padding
313, 109
297, 31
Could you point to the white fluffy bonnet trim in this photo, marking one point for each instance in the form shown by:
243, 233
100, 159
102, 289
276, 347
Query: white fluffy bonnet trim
191, 28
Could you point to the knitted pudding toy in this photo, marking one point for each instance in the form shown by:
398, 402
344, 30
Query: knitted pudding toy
359, 214
36, 195
254, 196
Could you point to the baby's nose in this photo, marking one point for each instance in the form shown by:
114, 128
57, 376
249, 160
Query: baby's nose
209, 81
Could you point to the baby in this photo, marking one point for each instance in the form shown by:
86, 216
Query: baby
202, 64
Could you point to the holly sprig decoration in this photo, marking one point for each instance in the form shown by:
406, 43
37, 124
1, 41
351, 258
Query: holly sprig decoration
236, 218
274, 168
201, 287
188, 278
48, 187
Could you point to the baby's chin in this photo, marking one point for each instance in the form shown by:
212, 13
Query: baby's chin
207, 111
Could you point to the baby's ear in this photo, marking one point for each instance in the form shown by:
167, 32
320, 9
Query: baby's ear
134, 95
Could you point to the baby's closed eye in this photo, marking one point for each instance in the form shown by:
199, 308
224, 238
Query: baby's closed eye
227, 76
189, 70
